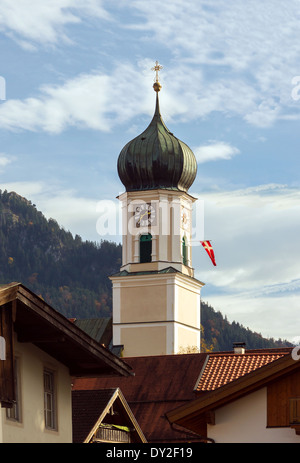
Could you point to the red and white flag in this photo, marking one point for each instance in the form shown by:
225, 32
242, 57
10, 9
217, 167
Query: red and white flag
208, 248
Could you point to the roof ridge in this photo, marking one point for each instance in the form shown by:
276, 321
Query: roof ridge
267, 350
217, 373
247, 354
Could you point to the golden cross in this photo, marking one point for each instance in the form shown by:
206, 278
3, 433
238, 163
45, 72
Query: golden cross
156, 68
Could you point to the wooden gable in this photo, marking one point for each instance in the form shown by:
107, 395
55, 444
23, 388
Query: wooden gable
7, 390
104, 416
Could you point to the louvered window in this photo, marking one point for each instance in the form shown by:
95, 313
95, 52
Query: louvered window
295, 410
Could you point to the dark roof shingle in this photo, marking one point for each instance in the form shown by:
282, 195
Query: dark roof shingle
87, 406
160, 383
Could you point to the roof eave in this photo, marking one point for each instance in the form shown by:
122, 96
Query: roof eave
37, 322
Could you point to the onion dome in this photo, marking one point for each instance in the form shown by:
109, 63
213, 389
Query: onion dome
156, 158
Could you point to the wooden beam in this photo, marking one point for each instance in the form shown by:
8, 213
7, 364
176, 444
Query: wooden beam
210, 417
8, 293
37, 338
297, 428
7, 384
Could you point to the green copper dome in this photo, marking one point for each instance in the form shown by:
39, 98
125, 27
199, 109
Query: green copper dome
157, 159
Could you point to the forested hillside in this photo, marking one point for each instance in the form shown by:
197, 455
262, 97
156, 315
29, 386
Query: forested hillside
219, 334
72, 275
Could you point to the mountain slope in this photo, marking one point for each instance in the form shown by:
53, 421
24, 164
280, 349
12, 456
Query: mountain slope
72, 275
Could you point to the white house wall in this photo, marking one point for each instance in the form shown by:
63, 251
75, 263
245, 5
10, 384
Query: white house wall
244, 421
32, 362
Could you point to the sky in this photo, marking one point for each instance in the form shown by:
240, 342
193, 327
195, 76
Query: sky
76, 85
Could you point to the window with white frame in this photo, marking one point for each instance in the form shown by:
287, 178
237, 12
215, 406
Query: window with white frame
50, 400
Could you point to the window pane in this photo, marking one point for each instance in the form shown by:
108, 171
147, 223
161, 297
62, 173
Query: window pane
49, 400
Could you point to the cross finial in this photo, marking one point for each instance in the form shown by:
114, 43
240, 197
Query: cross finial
156, 68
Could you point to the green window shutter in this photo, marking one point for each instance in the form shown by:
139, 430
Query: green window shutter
184, 251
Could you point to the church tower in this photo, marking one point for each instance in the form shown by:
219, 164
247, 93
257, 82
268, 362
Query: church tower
156, 299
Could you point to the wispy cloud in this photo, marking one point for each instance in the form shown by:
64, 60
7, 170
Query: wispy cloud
33, 23
271, 316
223, 67
215, 151
224, 39
4, 160
97, 100
254, 231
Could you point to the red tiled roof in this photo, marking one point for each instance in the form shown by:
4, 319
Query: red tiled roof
192, 414
222, 368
